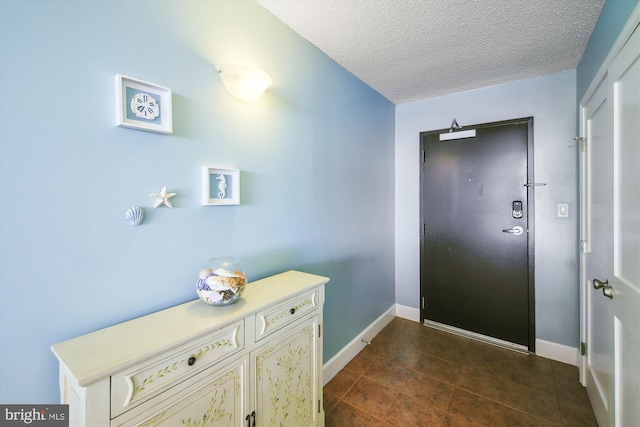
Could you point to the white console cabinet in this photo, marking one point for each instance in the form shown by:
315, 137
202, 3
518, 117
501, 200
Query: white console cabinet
257, 362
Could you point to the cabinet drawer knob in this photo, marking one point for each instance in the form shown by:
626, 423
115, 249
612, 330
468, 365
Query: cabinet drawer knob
191, 361
293, 310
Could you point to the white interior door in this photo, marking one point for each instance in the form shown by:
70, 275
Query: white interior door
624, 91
610, 228
597, 223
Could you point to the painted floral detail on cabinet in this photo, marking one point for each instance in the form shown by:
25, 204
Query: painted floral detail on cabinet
288, 381
153, 421
168, 370
214, 346
286, 312
218, 404
216, 413
151, 378
291, 383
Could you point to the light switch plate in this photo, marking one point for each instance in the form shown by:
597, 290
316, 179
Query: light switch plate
563, 210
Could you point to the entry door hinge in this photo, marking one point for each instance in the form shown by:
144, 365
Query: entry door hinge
424, 229
319, 331
423, 303
582, 143
583, 348
584, 246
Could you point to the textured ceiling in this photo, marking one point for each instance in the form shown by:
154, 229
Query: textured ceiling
409, 50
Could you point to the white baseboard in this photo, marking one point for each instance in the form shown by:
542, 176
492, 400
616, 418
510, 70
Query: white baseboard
558, 352
408, 313
351, 350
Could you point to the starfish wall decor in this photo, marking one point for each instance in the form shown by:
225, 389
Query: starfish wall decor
162, 198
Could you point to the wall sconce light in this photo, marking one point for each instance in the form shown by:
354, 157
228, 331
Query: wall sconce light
246, 84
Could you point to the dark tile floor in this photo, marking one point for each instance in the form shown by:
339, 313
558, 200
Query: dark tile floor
412, 375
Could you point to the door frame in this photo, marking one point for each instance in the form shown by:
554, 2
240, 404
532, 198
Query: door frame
530, 219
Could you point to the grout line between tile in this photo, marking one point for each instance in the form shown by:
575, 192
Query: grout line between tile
398, 330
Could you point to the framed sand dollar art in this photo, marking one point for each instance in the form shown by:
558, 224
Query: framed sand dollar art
144, 106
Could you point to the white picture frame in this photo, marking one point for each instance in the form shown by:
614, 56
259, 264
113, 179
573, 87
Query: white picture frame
142, 105
220, 186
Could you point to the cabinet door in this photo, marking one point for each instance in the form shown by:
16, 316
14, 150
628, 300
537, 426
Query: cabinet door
286, 387
219, 402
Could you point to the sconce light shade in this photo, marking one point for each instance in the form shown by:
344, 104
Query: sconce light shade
246, 84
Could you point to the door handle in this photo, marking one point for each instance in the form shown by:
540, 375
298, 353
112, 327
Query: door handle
607, 290
517, 230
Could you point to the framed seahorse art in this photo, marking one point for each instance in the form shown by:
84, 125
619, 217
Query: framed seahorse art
220, 186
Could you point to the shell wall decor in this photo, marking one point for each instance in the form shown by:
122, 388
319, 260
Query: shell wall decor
134, 215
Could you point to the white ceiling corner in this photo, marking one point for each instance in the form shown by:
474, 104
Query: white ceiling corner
409, 50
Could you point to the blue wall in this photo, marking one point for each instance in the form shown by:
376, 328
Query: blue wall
614, 15
316, 155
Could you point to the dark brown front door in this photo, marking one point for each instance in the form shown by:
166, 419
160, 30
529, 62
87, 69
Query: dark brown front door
477, 231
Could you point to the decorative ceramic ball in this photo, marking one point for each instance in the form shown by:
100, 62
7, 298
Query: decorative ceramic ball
221, 281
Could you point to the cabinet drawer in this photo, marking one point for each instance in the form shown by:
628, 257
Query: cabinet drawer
274, 318
215, 397
139, 383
